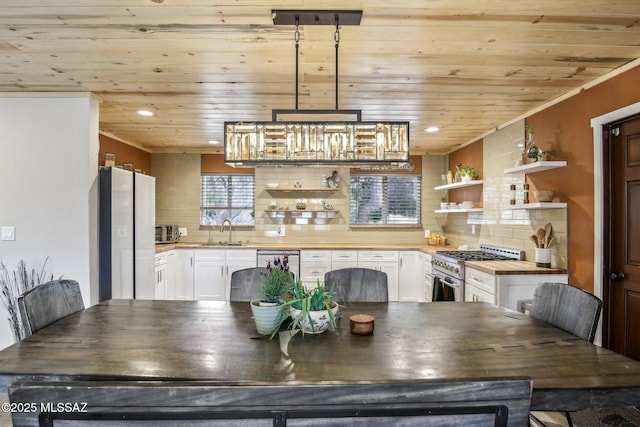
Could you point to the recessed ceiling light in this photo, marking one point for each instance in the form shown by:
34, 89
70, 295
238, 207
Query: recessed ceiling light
145, 113
432, 129
214, 142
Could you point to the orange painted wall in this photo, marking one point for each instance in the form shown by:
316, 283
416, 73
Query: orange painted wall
124, 153
214, 163
566, 128
469, 155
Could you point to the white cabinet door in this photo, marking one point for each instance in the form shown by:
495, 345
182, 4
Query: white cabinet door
209, 274
386, 261
344, 259
313, 265
170, 278
391, 268
515, 287
161, 281
474, 294
182, 288
479, 286
160, 275
410, 275
426, 293
238, 259
504, 290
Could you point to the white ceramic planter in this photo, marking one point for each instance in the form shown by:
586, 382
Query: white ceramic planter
266, 317
320, 320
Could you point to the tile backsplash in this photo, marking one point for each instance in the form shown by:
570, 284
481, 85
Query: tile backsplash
497, 224
178, 201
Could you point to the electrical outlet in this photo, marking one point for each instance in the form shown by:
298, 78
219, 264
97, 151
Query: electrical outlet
281, 231
182, 231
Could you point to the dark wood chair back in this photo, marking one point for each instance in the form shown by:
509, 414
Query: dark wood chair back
48, 302
246, 285
481, 402
358, 284
567, 307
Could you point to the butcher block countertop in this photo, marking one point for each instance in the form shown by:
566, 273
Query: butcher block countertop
512, 267
310, 246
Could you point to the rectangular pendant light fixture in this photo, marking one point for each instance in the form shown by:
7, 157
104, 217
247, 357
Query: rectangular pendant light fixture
317, 137
316, 143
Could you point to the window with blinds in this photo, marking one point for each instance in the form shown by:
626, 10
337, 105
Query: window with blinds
385, 200
227, 196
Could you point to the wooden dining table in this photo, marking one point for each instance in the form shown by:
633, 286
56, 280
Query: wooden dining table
217, 341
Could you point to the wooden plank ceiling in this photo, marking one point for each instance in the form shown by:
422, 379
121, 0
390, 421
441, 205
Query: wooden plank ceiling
465, 66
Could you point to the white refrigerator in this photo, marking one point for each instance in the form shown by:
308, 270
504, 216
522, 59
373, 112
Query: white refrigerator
126, 234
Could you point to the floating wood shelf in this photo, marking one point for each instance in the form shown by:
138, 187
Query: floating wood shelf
458, 210
301, 189
537, 166
459, 185
538, 205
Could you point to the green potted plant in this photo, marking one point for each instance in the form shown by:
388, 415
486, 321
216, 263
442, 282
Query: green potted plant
277, 282
537, 154
312, 311
466, 173
532, 151
269, 311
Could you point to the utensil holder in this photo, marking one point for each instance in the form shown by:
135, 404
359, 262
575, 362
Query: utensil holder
543, 257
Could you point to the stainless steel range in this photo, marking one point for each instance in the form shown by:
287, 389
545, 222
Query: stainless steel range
448, 268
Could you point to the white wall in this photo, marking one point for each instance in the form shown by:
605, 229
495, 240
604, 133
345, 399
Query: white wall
48, 187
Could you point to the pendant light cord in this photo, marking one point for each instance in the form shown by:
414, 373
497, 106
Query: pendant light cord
336, 38
297, 40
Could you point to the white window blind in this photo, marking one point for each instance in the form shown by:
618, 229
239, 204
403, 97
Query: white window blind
385, 200
227, 196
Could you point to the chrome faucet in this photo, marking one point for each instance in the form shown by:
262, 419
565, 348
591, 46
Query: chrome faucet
226, 221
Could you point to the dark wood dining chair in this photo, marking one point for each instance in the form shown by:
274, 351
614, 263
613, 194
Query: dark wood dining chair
246, 284
567, 307
48, 302
358, 284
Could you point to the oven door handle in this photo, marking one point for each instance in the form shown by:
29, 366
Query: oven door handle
453, 285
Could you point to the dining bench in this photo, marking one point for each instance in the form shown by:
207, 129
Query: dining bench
482, 402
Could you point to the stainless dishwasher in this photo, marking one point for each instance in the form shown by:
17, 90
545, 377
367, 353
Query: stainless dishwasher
294, 258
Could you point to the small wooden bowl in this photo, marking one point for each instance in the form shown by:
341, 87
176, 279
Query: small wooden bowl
361, 324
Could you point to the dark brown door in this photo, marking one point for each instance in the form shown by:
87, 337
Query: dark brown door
622, 243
